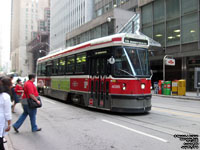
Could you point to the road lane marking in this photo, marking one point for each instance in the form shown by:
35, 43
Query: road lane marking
136, 131
49, 101
180, 113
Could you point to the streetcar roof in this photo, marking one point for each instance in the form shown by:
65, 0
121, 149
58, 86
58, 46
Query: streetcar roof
112, 40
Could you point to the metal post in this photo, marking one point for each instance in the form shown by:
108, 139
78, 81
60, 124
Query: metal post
197, 92
164, 69
164, 65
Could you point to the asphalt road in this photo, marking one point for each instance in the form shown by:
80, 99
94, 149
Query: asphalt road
68, 127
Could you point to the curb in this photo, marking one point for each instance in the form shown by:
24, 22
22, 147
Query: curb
179, 97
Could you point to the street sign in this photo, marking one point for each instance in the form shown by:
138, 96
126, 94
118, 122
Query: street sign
170, 61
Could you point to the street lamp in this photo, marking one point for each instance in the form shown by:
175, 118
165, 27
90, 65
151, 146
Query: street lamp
112, 24
109, 19
41, 51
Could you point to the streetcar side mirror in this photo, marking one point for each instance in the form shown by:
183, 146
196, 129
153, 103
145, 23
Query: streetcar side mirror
111, 60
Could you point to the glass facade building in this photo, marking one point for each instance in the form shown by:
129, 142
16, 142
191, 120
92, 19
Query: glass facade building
175, 24
103, 28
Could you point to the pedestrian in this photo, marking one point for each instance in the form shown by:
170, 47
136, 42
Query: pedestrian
13, 94
19, 91
5, 108
30, 91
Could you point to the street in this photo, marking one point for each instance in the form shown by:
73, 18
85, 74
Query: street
70, 127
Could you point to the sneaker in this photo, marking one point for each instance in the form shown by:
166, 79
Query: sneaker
15, 129
39, 129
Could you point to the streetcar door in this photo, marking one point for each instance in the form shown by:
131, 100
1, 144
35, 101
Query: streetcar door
98, 81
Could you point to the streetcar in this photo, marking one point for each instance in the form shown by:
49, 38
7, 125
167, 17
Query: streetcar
110, 73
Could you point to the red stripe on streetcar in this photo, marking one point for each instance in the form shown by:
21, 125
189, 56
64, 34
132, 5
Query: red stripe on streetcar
117, 39
84, 46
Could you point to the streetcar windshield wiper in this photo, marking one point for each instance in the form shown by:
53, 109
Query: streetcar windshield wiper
126, 72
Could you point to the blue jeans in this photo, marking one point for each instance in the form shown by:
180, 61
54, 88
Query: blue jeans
32, 115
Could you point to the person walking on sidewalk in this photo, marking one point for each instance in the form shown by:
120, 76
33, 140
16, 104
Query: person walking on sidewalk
5, 108
30, 91
19, 91
13, 94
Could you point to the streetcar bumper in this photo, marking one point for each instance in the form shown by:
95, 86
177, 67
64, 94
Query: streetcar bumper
131, 103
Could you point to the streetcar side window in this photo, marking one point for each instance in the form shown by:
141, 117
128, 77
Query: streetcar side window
70, 64
43, 69
61, 70
49, 68
81, 63
55, 67
39, 70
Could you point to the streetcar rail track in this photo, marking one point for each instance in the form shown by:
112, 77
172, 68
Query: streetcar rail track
154, 127
178, 110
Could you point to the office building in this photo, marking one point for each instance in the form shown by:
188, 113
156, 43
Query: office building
67, 15
24, 21
175, 24
110, 17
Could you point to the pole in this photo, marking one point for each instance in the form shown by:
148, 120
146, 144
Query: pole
164, 65
164, 68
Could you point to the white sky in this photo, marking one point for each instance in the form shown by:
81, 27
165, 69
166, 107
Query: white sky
5, 18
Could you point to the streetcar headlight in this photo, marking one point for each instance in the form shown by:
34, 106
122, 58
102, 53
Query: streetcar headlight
123, 86
142, 86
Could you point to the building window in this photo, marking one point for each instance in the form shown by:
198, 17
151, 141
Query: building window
159, 11
98, 32
189, 28
172, 8
148, 31
104, 30
159, 33
173, 32
189, 6
99, 12
92, 34
147, 15
106, 8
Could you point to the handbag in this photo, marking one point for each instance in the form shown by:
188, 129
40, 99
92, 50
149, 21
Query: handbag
33, 104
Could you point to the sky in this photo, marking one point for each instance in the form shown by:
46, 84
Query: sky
5, 19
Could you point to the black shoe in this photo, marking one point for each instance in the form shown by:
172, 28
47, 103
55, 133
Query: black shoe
15, 129
39, 129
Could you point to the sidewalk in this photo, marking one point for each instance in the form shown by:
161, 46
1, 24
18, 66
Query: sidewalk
188, 96
8, 144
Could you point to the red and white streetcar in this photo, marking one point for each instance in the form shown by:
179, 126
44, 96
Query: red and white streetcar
110, 73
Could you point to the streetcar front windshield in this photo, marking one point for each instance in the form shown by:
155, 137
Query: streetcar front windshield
131, 62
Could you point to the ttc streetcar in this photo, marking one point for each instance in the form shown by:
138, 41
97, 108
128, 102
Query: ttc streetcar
110, 73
